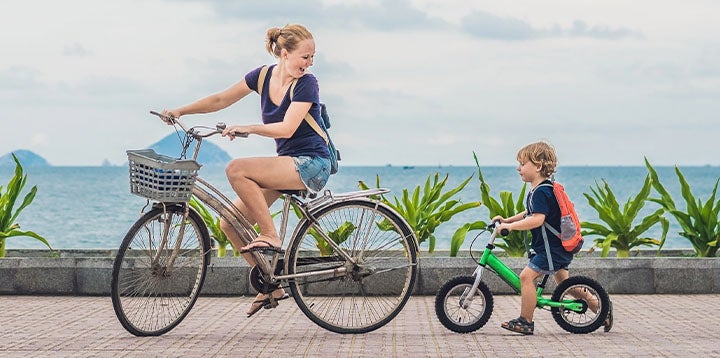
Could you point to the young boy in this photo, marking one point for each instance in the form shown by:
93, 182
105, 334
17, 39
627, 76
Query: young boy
537, 165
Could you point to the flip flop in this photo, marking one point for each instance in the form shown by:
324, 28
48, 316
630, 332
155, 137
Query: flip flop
269, 249
265, 303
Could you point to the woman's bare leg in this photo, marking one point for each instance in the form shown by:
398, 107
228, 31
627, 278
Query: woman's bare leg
237, 242
257, 182
249, 176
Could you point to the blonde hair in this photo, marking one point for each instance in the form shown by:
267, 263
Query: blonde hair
539, 153
287, 38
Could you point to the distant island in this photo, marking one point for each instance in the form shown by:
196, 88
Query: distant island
27, 159
210, 154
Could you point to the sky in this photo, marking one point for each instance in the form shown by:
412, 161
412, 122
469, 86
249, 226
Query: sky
407, 82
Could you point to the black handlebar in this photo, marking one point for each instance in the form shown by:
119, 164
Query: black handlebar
503, 232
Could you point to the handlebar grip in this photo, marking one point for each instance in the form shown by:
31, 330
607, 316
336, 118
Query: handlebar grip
162, 116
240, 134
504, 232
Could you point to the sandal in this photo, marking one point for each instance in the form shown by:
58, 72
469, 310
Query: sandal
267, 249
519, 325
266, 303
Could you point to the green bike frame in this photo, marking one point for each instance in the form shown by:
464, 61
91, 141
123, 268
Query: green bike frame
489, 260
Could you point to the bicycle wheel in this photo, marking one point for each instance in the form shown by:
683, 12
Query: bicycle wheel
459, 315
152, 288
364, 295
596, 304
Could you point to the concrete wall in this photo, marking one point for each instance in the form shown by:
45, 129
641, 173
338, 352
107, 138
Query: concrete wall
77, 275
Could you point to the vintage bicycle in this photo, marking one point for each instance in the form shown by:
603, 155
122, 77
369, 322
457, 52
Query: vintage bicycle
350, 264
464, 304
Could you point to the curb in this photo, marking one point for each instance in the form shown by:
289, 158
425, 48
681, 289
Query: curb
229, 276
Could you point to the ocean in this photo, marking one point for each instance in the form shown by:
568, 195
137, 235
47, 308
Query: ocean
92, 208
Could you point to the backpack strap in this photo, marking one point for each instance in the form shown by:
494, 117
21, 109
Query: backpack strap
547, 249
544, 234
261, 79
309, 118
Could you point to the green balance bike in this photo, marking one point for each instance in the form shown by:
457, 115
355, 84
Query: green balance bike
464, 304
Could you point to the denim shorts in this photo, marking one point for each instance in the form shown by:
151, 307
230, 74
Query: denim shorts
314, 171
539, 263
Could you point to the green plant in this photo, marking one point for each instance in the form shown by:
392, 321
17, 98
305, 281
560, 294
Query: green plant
213, 224
619, 231
514, 243
8, 226
699, 222
338, 235
425, 212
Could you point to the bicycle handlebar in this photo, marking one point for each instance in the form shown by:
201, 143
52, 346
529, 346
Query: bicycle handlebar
503, 232
193, 131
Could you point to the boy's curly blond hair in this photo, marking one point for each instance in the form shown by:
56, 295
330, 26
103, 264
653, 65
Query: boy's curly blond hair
539, 153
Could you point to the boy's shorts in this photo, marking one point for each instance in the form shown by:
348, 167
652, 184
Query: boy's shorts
539, 263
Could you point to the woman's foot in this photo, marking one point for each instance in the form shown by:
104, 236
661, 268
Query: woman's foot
263, 301
263, 243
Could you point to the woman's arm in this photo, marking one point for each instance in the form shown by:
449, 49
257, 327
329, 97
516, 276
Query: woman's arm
214, 102
293, 117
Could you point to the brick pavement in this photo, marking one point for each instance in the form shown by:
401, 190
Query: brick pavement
82, 326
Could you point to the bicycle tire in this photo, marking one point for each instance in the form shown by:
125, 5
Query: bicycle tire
588, 320
449, 308
148, 299
366, 296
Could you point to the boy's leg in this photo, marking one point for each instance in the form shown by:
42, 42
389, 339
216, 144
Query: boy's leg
528, 293
528, 301
561, 275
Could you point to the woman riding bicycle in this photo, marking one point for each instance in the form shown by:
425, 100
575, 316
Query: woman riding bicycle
302, 162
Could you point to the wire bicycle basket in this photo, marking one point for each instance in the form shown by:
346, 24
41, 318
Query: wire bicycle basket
160, 177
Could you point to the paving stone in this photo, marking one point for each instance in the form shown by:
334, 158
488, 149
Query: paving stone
85, 326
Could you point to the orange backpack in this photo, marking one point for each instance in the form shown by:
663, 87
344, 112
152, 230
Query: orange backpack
570, 232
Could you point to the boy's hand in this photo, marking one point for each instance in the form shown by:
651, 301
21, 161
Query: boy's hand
498, 218
501, 227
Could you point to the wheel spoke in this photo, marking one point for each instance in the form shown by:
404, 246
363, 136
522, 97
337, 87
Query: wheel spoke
149, 296
371, 292
457, 313
595, 304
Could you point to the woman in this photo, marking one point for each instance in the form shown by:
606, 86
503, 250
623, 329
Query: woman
303, 157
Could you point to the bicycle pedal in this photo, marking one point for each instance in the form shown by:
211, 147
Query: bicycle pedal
265, 250
271, 252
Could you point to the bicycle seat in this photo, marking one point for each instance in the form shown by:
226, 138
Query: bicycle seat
300, 193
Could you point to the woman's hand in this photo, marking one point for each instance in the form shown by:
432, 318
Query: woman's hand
236, 131
175, 114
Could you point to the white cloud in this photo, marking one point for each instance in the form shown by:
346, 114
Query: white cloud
406, 82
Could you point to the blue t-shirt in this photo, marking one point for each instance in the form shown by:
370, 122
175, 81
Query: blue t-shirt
305, 141
542, 200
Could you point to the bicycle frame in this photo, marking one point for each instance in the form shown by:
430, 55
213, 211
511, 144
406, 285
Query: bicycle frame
224, 207
489, 260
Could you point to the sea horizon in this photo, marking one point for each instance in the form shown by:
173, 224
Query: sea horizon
91, 207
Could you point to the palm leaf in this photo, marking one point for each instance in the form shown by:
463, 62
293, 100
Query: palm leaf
15, 232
